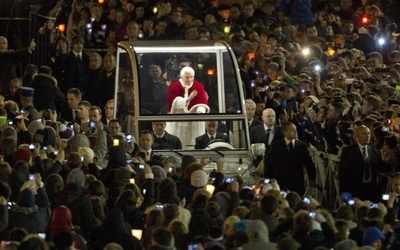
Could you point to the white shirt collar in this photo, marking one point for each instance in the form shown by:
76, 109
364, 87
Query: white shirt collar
271, 128
288, 141
160, 136
215, 135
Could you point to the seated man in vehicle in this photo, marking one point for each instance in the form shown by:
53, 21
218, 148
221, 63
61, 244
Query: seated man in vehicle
210, 135
163, 139
153, 91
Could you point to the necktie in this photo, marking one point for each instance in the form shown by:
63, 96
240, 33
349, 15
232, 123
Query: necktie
367, 169
267, 132
79, 61
365, 156
290, 146
212, 138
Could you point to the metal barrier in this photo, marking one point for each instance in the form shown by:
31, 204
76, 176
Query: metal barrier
326, 166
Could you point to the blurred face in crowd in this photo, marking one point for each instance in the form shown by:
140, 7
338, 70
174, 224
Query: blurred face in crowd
77, 47
146, 141
95, 62
328, 30
176, 17
115, 128
224, 14
72, 101
211, 127
94, 115
155, 72
3, 44
269, 117
321, 115
235, 13
332, 114
253, 37
248, 9
287, 93
165, 8
109, 63
290, 132
62, 46
120, 17
132, 30
14, 85
139, 12
396, 185
348, 28
312, 32
210, 19
96, 12
159, 127
363, 135
160, 27
272, 74
250, 111
83, 112
109, 110
112, 14
191, 33
130, 7
366, 108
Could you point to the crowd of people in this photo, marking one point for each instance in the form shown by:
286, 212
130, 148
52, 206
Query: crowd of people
315, 74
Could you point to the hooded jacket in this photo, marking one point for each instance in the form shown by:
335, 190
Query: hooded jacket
47, 95
31, 213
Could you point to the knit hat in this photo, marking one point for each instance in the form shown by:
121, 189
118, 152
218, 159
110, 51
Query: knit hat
346, 245
159, 173
65, 132
76, 176
22, 154
34, 126
122, 174
86, 151
26, 198
5, 190
372, 234
199, 178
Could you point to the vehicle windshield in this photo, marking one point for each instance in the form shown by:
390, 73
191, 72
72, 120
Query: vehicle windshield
203, 102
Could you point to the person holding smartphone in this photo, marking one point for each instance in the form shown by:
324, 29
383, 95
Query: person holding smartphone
94, 123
